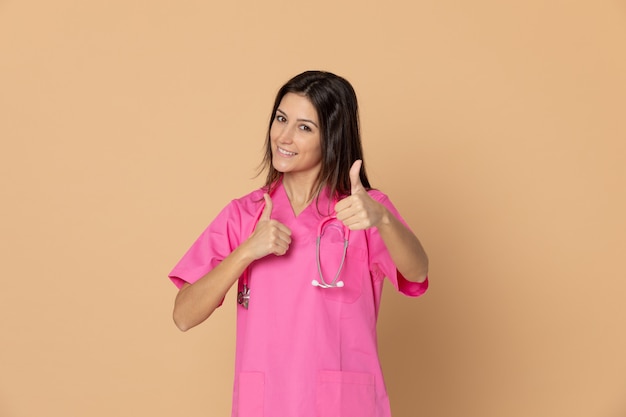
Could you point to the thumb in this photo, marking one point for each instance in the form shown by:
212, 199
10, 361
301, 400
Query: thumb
355, 178
267, 211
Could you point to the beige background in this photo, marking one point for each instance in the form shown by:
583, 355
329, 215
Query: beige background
497, 128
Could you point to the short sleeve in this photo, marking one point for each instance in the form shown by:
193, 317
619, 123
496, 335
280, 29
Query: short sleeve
216, 242
380, 260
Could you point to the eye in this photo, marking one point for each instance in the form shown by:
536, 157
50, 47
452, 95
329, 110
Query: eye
280, 118
305, 128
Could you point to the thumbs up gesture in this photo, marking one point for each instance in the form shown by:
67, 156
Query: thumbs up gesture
269, 236
359, 211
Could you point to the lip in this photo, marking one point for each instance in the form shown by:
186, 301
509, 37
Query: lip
285, 153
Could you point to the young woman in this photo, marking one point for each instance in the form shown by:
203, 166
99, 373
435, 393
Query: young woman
308, 252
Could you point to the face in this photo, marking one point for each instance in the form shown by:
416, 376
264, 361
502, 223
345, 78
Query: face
295, 137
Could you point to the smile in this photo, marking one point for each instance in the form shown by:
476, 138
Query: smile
285, 152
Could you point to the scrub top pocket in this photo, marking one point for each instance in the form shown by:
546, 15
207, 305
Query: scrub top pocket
346, 394
352, 273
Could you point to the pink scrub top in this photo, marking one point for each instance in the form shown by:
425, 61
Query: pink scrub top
302, 350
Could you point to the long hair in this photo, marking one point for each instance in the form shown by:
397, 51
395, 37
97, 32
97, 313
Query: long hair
337, 109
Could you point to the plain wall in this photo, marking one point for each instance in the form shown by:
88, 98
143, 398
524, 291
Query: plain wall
497, 128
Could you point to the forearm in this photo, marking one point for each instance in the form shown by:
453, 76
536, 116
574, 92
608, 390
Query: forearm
195, 303
404, 247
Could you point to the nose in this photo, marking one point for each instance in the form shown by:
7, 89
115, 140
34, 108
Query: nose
285, 134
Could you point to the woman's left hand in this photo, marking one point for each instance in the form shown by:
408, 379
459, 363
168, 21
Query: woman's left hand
359, 211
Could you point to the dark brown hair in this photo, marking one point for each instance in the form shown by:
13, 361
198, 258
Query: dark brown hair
337, 109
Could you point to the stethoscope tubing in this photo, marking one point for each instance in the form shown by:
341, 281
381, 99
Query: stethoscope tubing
335, 283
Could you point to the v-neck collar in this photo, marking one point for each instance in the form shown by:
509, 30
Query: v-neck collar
320, 202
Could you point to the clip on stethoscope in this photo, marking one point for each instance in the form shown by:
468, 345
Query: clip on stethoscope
243, 297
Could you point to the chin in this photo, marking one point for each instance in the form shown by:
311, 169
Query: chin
279, 168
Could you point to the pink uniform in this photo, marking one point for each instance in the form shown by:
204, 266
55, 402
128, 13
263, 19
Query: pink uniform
302, 350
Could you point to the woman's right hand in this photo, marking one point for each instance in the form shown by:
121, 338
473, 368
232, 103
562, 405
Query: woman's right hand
194, 303
269, 236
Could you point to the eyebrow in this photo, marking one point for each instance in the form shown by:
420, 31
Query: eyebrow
300, 120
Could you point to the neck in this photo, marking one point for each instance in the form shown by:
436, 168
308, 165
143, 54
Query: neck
299, 189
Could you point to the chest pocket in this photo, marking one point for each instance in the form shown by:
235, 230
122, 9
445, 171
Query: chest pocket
351, 273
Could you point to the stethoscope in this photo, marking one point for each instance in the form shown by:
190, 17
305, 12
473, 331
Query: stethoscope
335, 283
243, 297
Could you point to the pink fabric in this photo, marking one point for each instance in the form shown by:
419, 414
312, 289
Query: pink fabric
302, 350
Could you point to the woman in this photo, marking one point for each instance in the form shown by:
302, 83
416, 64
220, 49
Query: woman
306, 319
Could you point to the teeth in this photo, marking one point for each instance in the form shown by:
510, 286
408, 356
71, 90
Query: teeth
287, 153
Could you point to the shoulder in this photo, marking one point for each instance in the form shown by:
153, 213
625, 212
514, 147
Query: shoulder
252, 197
378, 195
238, 215
384, 199
247, 204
